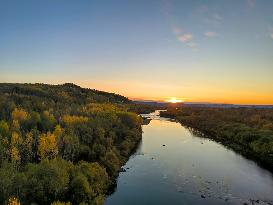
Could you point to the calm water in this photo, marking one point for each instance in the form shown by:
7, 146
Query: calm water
188, 170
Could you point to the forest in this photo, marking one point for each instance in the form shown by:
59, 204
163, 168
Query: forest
248, 131
63, 144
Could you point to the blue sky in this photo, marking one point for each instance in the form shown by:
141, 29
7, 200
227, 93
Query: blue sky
199, 50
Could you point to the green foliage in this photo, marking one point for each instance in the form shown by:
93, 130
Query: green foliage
47, 181
62, 144
111, 162
7, 174
89, 181
69, 147
4, 128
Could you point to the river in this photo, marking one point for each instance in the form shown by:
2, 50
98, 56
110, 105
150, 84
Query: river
172, 166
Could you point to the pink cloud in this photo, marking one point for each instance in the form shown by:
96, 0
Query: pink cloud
185, 37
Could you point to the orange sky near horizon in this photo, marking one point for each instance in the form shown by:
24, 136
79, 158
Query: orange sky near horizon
141, 89
138, 91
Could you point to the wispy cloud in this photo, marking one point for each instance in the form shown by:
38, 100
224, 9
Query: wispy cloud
192, 44
185, 37
210, 34
271, 35
208, 15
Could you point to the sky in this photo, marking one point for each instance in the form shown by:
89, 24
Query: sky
218, 51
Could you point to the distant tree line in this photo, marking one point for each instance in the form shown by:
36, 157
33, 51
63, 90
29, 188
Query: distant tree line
62, 144
246, 130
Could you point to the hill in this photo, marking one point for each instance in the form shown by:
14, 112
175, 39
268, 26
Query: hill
62, 142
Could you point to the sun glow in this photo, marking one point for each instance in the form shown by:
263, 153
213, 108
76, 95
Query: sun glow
174, 100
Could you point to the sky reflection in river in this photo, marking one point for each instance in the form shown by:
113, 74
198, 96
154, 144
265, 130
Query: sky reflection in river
172, 166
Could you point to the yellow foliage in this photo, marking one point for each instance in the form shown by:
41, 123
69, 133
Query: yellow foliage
46, 113
58, 131
15, 155
102, 107
19, 114
15, 124
72, 119
15, 139
13, 201
47, 147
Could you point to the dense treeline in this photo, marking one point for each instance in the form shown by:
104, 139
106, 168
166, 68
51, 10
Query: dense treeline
62, 144
246, 130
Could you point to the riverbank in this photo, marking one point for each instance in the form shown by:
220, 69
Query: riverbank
247, 131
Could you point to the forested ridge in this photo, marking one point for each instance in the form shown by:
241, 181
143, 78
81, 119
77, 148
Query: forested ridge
246, 130
62, 144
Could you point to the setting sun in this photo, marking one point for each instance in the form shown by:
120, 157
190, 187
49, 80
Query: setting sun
174, 100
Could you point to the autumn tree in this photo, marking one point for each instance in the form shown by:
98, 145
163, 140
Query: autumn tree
16, 141
58, 130
13, 201
19, 114
73, 119
47, 147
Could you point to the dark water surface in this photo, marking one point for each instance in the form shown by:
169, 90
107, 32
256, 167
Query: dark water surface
188, 170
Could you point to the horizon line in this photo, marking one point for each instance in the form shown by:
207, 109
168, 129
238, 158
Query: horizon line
159, 100
197, 102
